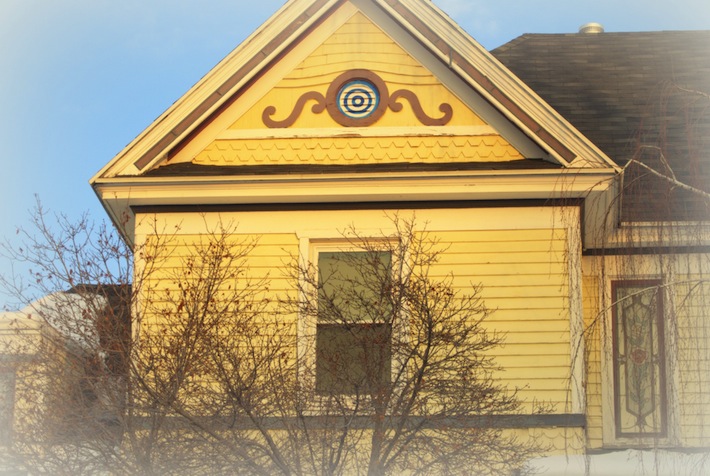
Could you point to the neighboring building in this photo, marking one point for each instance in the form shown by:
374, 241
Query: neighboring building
38, 372
335, 112
54, 392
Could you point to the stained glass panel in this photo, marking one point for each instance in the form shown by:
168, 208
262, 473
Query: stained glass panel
639, 367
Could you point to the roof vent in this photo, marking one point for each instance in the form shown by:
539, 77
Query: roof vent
591, 28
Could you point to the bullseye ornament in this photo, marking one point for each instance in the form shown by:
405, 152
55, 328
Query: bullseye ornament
358, 99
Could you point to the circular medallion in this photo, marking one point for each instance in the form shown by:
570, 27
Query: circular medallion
358, 99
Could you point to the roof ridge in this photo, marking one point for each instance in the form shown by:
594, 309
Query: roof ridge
512, 43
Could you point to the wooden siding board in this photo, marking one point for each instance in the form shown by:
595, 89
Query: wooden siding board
593, 358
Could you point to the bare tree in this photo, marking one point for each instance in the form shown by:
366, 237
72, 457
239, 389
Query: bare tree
386, 371
396, 343
373, 363
65, 354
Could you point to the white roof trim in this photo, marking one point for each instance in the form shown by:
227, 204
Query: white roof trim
588, 155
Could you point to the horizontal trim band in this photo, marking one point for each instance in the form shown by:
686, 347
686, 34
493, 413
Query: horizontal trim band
414, 205
190, 169
317, 422
357, 132
646, 250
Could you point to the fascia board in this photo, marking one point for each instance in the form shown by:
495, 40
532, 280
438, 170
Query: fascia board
212, 83
120, 194
295, 188
458, 41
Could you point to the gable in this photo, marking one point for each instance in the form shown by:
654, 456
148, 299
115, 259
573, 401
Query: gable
399, 111
265, 126
359, 44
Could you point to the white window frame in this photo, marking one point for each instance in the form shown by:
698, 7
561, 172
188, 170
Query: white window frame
310, 246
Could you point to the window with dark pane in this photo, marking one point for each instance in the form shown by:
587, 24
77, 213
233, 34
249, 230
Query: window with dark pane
639, 366
7, 405
353, 333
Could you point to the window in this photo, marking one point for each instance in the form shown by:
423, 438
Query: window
638, 359
7, 405
353, 330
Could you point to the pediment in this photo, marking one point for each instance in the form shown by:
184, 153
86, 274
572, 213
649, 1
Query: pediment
357, 98
407, 103
329, 97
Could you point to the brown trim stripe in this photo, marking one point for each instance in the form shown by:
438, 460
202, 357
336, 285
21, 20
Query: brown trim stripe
647, 250
413, 205
564, 420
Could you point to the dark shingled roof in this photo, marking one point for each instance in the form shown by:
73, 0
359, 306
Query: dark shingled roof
633, 95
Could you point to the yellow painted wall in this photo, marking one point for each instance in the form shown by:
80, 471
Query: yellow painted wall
691, 302
595, 331
522, 267
525, 279
358, 44
170, 253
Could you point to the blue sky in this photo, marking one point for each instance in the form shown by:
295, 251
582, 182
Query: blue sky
79, 79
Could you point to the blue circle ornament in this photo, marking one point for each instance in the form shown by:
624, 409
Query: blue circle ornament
358, 99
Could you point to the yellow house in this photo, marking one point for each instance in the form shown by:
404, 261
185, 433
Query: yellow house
338, 114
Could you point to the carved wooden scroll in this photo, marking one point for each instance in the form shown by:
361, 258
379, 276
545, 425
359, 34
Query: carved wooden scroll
445, 108
358, 98
317, 108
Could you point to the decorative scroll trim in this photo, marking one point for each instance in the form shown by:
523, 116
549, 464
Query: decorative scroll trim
329, 102
317, 108
445, 108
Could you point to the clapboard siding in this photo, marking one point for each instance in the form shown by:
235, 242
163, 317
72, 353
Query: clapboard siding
524, 277
522, 273
693, 360
593, 332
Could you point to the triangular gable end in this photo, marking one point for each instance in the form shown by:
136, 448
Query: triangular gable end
425, 33
481, 115
358, 98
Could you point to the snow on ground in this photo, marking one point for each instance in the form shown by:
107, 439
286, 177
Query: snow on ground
626, 463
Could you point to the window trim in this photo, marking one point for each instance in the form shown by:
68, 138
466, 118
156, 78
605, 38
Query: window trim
310, 248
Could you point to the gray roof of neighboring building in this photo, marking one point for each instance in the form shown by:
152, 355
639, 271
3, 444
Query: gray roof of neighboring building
631, 93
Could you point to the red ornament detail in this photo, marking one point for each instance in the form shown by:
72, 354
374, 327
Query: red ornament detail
639, 356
